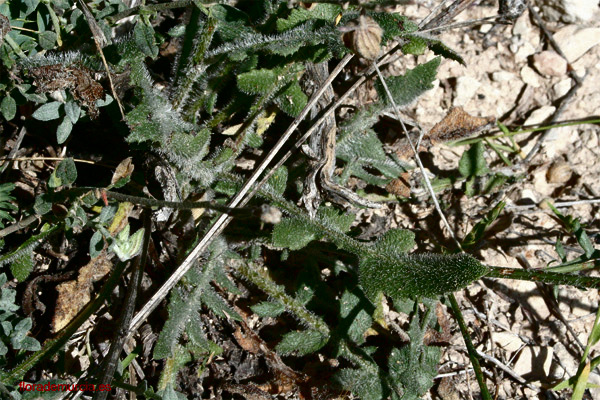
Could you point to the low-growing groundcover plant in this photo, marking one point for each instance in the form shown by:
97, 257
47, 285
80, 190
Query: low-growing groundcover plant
181, 99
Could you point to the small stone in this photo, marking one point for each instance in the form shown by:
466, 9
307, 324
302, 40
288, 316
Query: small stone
550, 63
569, 10
534, 362
575, 41
562, 88
540, 115
530, 77
485, 28
466, 87
524, 51
502, 76
522, 26
508, 341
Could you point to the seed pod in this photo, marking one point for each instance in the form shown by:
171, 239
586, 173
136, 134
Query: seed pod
559, 172
365, 37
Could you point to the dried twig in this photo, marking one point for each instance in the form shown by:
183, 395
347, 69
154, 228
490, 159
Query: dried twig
14, 150
418, 159
109, 364
100, 41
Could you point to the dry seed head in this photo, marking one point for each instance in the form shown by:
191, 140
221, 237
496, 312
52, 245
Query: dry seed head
365, 38
559, 172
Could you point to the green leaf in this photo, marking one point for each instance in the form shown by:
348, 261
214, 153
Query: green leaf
472, 163
293, 233
412, 368
48, 111
322, 11
278, 180
144, 38
416, 45
126, 247
301, 342
47, 39
362, 150
218, 305
396, 240
8, 107
96, 244
268, 309
20, 340
22, 266
73, 111
400, 275
362, 383
43, 203
64, 175
336, 220
406, 88
352, 308
292, 100
479, 229
177, 30
64, 130
31, 6
393, 25
259, 81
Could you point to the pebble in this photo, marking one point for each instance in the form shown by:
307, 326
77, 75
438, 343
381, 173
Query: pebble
535, 361
569, 11
502, 76
561, 88
524, 51
575, 41
549, 63
466, 87
540, 115
530, 77
508, 341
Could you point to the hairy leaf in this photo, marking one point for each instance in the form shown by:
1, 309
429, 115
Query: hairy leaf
8, 107
362, 383
22, 266
48, 111
398, 274
352, 309
406, 88
268, 309
64, 130
326, 12
293, 233
64, 175
292, 100
301, 342
362, 150
472, 163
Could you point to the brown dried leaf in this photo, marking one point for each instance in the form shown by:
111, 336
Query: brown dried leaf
74, 295
400, 187
77, 79
124, 169
458, 124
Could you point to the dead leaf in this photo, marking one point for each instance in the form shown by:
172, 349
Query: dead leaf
124, 170
456, 125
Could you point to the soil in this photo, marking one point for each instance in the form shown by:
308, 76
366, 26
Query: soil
517, 322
